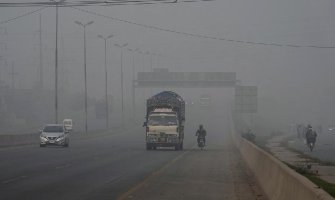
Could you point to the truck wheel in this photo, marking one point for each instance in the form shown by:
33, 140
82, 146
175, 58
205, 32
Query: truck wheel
148, 147
176, 148
181, 146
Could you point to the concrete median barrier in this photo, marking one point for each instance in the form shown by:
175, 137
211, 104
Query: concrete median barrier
278, 181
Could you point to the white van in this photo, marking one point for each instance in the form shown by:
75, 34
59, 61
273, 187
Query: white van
67, 123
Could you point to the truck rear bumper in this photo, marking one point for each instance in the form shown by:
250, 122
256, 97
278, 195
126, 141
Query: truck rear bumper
163, 144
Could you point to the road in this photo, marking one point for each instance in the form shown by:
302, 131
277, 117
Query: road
117, 166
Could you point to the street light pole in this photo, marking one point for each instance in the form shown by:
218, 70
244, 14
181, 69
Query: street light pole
106, 91
85, 71
122, 101
133, 82
151, 70
56, 61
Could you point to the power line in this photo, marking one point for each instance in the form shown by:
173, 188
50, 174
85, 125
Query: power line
82, 3
139, 2
23, 15
243, 42
86, 3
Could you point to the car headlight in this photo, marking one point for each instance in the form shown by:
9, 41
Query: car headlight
62, 137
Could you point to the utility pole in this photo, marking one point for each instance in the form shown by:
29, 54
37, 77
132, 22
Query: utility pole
133, 81
56, 61
85, 70
106, 90
122, 101
41, 55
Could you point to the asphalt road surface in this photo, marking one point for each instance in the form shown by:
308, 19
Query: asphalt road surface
117, 166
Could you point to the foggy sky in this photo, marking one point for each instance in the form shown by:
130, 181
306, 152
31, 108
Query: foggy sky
293, 82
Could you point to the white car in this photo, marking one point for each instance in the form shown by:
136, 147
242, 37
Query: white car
54, 134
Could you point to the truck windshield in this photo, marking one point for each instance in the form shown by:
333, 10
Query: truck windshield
162, 121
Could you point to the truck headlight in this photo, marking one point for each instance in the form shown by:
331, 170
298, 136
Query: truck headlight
151, 138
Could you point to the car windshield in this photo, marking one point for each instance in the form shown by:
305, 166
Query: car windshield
162, 120
53, 129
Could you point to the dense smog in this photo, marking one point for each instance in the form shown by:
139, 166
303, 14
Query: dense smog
160, 99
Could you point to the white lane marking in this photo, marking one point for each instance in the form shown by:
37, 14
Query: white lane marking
128, 194
13, 179
115, 179
63, 166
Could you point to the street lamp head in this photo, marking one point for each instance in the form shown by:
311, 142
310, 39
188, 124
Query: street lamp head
105, 38
89, 23
84, 25
79, 23
121, 46
129, 49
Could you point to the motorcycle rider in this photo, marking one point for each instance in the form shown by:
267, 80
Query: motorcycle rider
310, 135
201, 133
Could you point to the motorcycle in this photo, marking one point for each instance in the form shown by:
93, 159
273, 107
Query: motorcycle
201, 143
311, 145
310, 142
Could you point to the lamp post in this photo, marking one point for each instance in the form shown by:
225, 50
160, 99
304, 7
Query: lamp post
85, 74
151, 69
121, 46
56, 61
133, 74
143, 68
106, 91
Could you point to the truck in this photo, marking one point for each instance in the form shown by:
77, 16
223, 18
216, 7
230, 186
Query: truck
165, 119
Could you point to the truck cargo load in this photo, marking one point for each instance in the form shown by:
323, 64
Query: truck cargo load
167, 99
